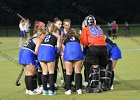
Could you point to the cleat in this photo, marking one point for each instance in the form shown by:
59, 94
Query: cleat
112, 87
27, 91
68, 92
79, 91
45, 92
39, 89
33, 92
50, 92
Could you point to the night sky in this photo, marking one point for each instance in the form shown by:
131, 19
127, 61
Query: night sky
45, 10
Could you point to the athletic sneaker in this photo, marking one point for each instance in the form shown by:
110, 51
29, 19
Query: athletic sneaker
27, 91
68, 92
39, 89
50, 92
33, 92
85, 84
48, 85
112, 87
79, 91
45, 92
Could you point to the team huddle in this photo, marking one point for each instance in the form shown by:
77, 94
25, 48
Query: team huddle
92, 49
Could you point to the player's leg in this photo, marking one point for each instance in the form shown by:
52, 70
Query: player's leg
51, 69
78, 76
30, 71
44, 67
115, 56
114, 62
69, 70
103, 70
94, 76
20, 42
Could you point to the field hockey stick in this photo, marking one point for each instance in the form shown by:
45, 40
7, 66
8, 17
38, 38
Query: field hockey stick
59, 73
20, 16
62, 80
10, 10
19, 77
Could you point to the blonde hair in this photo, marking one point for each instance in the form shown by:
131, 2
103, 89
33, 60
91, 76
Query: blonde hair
55, 29
66, 20
41, 31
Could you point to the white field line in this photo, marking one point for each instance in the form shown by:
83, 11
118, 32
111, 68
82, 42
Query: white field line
4, 59
127, 50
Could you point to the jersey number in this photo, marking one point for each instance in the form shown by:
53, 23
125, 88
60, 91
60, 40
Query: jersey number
47, 39
96, 32
27, 42
72, 38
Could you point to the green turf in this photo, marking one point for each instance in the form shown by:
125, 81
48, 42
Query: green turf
127, 75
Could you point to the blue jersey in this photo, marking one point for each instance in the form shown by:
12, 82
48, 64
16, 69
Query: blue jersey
72, 50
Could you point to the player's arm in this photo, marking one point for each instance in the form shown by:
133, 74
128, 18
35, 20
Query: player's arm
38, 42
83, 37
59, 42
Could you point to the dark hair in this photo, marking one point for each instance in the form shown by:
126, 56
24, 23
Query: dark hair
71, 32
56, 19
50, 24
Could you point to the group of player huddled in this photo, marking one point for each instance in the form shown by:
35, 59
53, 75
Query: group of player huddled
50, 42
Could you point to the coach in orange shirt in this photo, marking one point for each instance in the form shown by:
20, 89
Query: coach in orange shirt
94, 38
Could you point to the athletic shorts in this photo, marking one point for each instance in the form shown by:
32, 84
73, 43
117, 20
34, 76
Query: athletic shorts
27, 57
22, 34
46, 53
73, 51
115, 53
97, 55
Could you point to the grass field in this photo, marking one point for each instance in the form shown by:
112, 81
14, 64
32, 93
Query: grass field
127, 76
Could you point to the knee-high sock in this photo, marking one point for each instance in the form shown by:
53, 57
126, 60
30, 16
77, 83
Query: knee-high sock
26, 83
39, 78
68, 82
31, 82
44, 82
112, 78
51, 81
78, 79
55, 76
